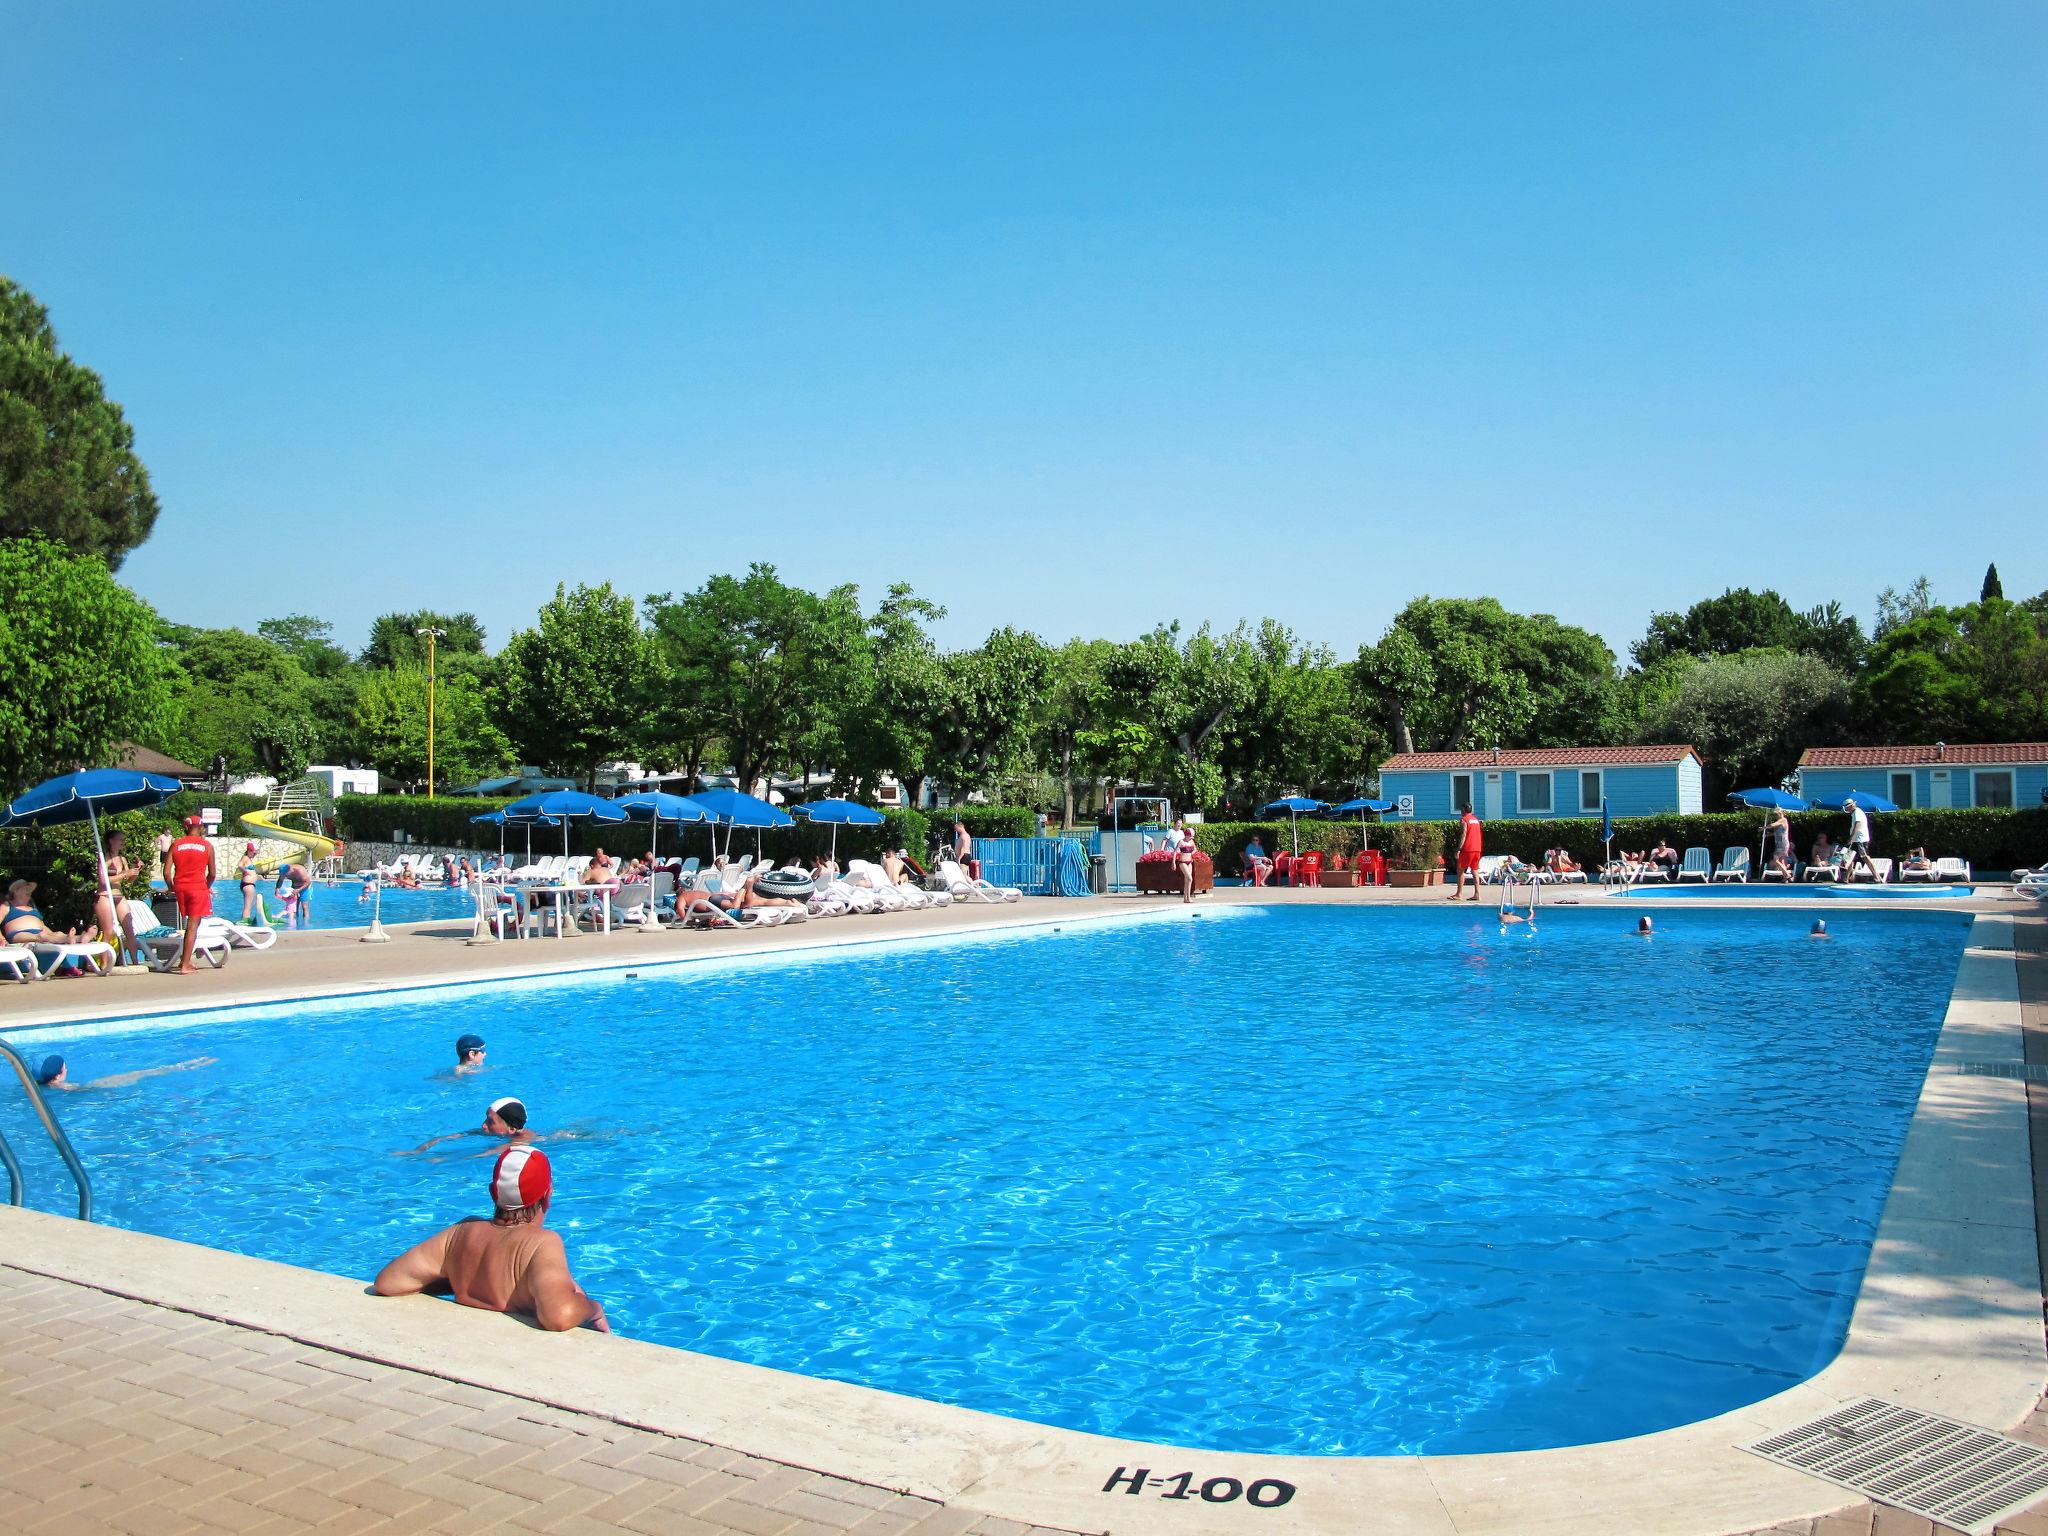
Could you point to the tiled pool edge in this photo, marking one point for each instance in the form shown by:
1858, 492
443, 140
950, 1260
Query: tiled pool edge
1949, 1320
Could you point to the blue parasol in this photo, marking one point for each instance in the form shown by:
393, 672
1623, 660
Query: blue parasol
736, 808
1862, 797
1296, 807
655, 806
1768, 800
82, 796
1361, 806
559, 807
836, 814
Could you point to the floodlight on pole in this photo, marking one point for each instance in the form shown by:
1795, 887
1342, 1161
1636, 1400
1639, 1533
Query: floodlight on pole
430, 635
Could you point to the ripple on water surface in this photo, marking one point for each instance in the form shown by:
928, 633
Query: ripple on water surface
1317, 1180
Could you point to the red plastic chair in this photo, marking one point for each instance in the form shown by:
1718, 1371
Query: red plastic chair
1308, 869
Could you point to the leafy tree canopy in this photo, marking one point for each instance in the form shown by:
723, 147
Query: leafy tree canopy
390, 721
1752, 714
241, 697
1993, 587
395, 638
571, 689
68, 468
80, 669
1976, 673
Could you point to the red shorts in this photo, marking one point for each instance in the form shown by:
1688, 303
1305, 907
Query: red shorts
194, 900
1467, 861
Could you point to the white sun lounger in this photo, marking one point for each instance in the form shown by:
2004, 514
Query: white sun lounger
955, 879
241, 935
1734, 866
19, 960
1952, 869
1698, 864
164, 949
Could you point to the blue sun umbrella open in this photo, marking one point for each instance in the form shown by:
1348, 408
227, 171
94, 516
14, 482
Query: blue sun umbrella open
1296, 807
736, 808
85, 796
1361, 806
836, 814
559, 807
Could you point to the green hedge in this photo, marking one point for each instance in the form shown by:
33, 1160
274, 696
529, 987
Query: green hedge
1993, 841
985, 821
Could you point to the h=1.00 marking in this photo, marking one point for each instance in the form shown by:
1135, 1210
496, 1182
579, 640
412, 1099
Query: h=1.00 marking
1264, 1493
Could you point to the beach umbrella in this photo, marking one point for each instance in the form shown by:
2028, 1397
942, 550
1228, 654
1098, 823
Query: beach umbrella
1296, 807
1766, 800
1863, 797
1361, 806
82, 796
494, 819
655, 806
559, 807
736, 808
836, 814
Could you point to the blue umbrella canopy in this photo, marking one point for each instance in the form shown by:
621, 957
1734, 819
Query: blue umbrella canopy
655, 806
86, 795
1293, 805
1768, 800
736, 808
836, 814
1351, 807
559, 807
1863, 797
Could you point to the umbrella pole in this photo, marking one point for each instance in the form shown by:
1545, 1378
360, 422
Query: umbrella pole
102, 885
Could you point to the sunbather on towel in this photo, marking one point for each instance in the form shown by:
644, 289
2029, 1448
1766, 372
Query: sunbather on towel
1666, 857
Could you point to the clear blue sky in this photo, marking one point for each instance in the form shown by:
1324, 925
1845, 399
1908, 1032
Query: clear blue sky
1077, 318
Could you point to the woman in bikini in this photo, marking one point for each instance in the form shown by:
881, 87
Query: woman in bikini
252, 899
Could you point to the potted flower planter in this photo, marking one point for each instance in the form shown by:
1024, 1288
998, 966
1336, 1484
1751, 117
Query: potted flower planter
1412, 879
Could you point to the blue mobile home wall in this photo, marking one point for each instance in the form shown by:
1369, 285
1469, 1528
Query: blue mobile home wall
2028, 781
1632, 789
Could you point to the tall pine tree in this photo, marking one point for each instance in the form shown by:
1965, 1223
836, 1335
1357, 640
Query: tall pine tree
1993, 587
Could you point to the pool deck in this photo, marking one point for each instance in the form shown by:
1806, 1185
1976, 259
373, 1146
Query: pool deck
160, 1387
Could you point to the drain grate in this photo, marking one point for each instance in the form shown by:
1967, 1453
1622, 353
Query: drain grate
2032, 1072
1936, 1468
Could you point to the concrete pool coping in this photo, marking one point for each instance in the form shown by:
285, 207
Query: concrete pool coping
1948, 1320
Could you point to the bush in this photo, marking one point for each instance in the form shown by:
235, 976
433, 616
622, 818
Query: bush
1418, 845
986, 821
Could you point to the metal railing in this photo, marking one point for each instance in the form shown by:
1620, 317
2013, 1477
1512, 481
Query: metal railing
1038, 866
57, 1138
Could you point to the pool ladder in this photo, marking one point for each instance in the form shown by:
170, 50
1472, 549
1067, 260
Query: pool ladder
1508, 882
57, 1138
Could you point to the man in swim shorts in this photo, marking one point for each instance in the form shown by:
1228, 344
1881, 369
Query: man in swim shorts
1468, 851
188, 870
507, 1263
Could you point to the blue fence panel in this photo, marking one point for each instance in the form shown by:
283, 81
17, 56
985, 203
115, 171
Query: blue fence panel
1038, 866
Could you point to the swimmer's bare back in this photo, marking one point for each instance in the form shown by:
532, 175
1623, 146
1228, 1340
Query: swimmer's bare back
500, 1269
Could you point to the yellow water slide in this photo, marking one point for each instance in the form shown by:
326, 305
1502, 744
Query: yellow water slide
306, 799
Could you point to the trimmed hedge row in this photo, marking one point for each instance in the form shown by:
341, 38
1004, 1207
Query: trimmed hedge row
1993, 841
985, 821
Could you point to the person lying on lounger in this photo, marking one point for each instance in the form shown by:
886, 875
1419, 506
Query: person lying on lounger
23, 924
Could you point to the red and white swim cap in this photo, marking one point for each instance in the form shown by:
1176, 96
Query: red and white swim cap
520, 1177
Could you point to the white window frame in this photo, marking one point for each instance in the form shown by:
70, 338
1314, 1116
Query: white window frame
1892, 778
2012, 786
1523, 776
1579, 779
1470, 796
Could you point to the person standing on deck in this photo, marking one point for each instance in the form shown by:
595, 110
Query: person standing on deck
1468, 851
1859, 840
188, 870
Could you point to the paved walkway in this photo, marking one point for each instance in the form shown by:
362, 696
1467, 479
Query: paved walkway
124, 1416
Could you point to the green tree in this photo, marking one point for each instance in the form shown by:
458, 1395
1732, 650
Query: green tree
1446, 673
988, 698
80, 669
1183, 692
391, 727
765, 666
1976, 673
1895, 607
1299, 729
395, 639
1738, 620
309, 640
571, 689
1993, 587
1075, 703
885, 725
68, 468
239, 696
1751, 715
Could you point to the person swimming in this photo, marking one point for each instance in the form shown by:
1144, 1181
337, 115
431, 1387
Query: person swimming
1819, 930
1644, 929
53, 1073
504, 1120
469, 1055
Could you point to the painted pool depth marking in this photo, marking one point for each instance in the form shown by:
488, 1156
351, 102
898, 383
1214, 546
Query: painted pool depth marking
1313, 1179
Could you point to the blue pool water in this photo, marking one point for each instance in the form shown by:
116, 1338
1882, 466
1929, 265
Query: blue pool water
1316, 1180
1808, 891
344, 904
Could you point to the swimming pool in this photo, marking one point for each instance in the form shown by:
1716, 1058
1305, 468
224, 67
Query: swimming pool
343, 904
1309, 1179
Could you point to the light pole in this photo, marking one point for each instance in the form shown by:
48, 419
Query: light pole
430, 636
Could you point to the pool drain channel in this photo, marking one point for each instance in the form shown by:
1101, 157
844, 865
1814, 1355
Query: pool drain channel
2029, 1071
1933, 1467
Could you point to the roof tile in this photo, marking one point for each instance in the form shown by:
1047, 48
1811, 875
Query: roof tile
1537, 757
1965, 753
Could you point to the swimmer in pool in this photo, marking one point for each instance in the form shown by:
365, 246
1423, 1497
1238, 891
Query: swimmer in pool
504, 1120
1643, 928
53, 1074
1507, 915
1819, 930
469, 1055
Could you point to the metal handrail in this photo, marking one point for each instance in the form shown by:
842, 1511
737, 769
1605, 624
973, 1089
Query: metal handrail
57, 1138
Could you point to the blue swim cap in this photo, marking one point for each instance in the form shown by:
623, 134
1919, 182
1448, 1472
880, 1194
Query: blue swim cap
467, 1043
47, 1072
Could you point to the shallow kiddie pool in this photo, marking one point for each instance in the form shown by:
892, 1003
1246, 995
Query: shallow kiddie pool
1312, 1180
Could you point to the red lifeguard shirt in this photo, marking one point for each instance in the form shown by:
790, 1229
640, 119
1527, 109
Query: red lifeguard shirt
1469, 848
188, 860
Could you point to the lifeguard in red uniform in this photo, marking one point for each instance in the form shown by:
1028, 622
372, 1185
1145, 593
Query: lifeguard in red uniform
1468, 852
189, 871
